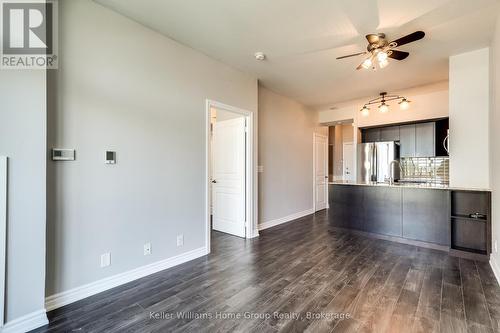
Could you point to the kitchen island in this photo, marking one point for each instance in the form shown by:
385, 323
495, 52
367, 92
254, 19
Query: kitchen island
425, 215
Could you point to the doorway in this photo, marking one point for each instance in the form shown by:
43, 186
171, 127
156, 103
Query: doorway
320, 169
230, 171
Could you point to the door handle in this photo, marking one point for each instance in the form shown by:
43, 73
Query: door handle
214, 181
326, 177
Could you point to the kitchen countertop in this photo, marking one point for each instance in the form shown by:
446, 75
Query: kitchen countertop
409, 185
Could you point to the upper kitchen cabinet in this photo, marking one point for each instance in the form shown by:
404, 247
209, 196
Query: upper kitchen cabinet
371, 135
407, 140
425, 140
390, 133
442, 127
380, 134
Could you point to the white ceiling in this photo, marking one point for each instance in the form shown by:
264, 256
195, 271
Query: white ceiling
301, 39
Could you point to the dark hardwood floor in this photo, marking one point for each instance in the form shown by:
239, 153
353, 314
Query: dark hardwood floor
348, 282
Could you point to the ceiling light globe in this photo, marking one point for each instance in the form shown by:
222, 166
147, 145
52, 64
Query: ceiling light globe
383, 108
367, 63
383, 63
365, 111
382, 56
404, 104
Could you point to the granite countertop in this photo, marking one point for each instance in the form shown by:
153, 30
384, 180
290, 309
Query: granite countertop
409, 185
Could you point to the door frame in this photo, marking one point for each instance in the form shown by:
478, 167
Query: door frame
315, 135
3, 233
344, 155
251, 230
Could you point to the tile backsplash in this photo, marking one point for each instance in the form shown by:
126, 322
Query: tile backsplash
435, 170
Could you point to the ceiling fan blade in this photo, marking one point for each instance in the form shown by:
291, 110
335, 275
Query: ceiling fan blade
408, 38
398, 55
352, 55
374, 38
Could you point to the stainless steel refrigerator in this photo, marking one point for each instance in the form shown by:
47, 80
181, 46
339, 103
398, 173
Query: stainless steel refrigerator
374, 161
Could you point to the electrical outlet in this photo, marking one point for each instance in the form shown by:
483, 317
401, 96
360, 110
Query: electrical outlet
105, 259
147, 249
496, 246
180, 240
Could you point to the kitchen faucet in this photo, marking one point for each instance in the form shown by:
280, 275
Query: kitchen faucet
392, 171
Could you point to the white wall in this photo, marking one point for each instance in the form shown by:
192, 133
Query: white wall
22, 139
123, 87
469, 119
286, 152
495, 146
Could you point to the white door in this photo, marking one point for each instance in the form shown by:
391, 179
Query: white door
228, 180
320, 172
348, 162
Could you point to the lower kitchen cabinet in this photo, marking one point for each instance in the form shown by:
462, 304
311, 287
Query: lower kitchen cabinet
414, 214
382, 209
346, 206
425, 215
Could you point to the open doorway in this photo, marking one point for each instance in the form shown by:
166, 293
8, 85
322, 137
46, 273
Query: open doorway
230, 199
341, 152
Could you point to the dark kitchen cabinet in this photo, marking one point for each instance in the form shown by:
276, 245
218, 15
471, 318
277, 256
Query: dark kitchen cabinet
389, 133
471, 234
442, 127
371, 135
425, 215
417, 140
382, 207
346, 206
425, 138
407, 136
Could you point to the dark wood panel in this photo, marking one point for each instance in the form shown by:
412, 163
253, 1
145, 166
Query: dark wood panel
426, 215
382, 209
346, 203
468, 234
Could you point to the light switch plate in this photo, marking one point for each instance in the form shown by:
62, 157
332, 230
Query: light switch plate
59, 154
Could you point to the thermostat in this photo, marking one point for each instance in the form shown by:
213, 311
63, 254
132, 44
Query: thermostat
110, 157
63, 154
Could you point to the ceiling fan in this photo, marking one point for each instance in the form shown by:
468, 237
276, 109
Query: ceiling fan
380, 49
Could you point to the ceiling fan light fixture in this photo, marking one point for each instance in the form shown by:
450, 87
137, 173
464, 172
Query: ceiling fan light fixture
404, 104
365, 111
383, 108
380, 49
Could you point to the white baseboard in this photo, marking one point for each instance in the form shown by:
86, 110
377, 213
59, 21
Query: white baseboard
76, 294
285, 219
495, 268
26, 323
